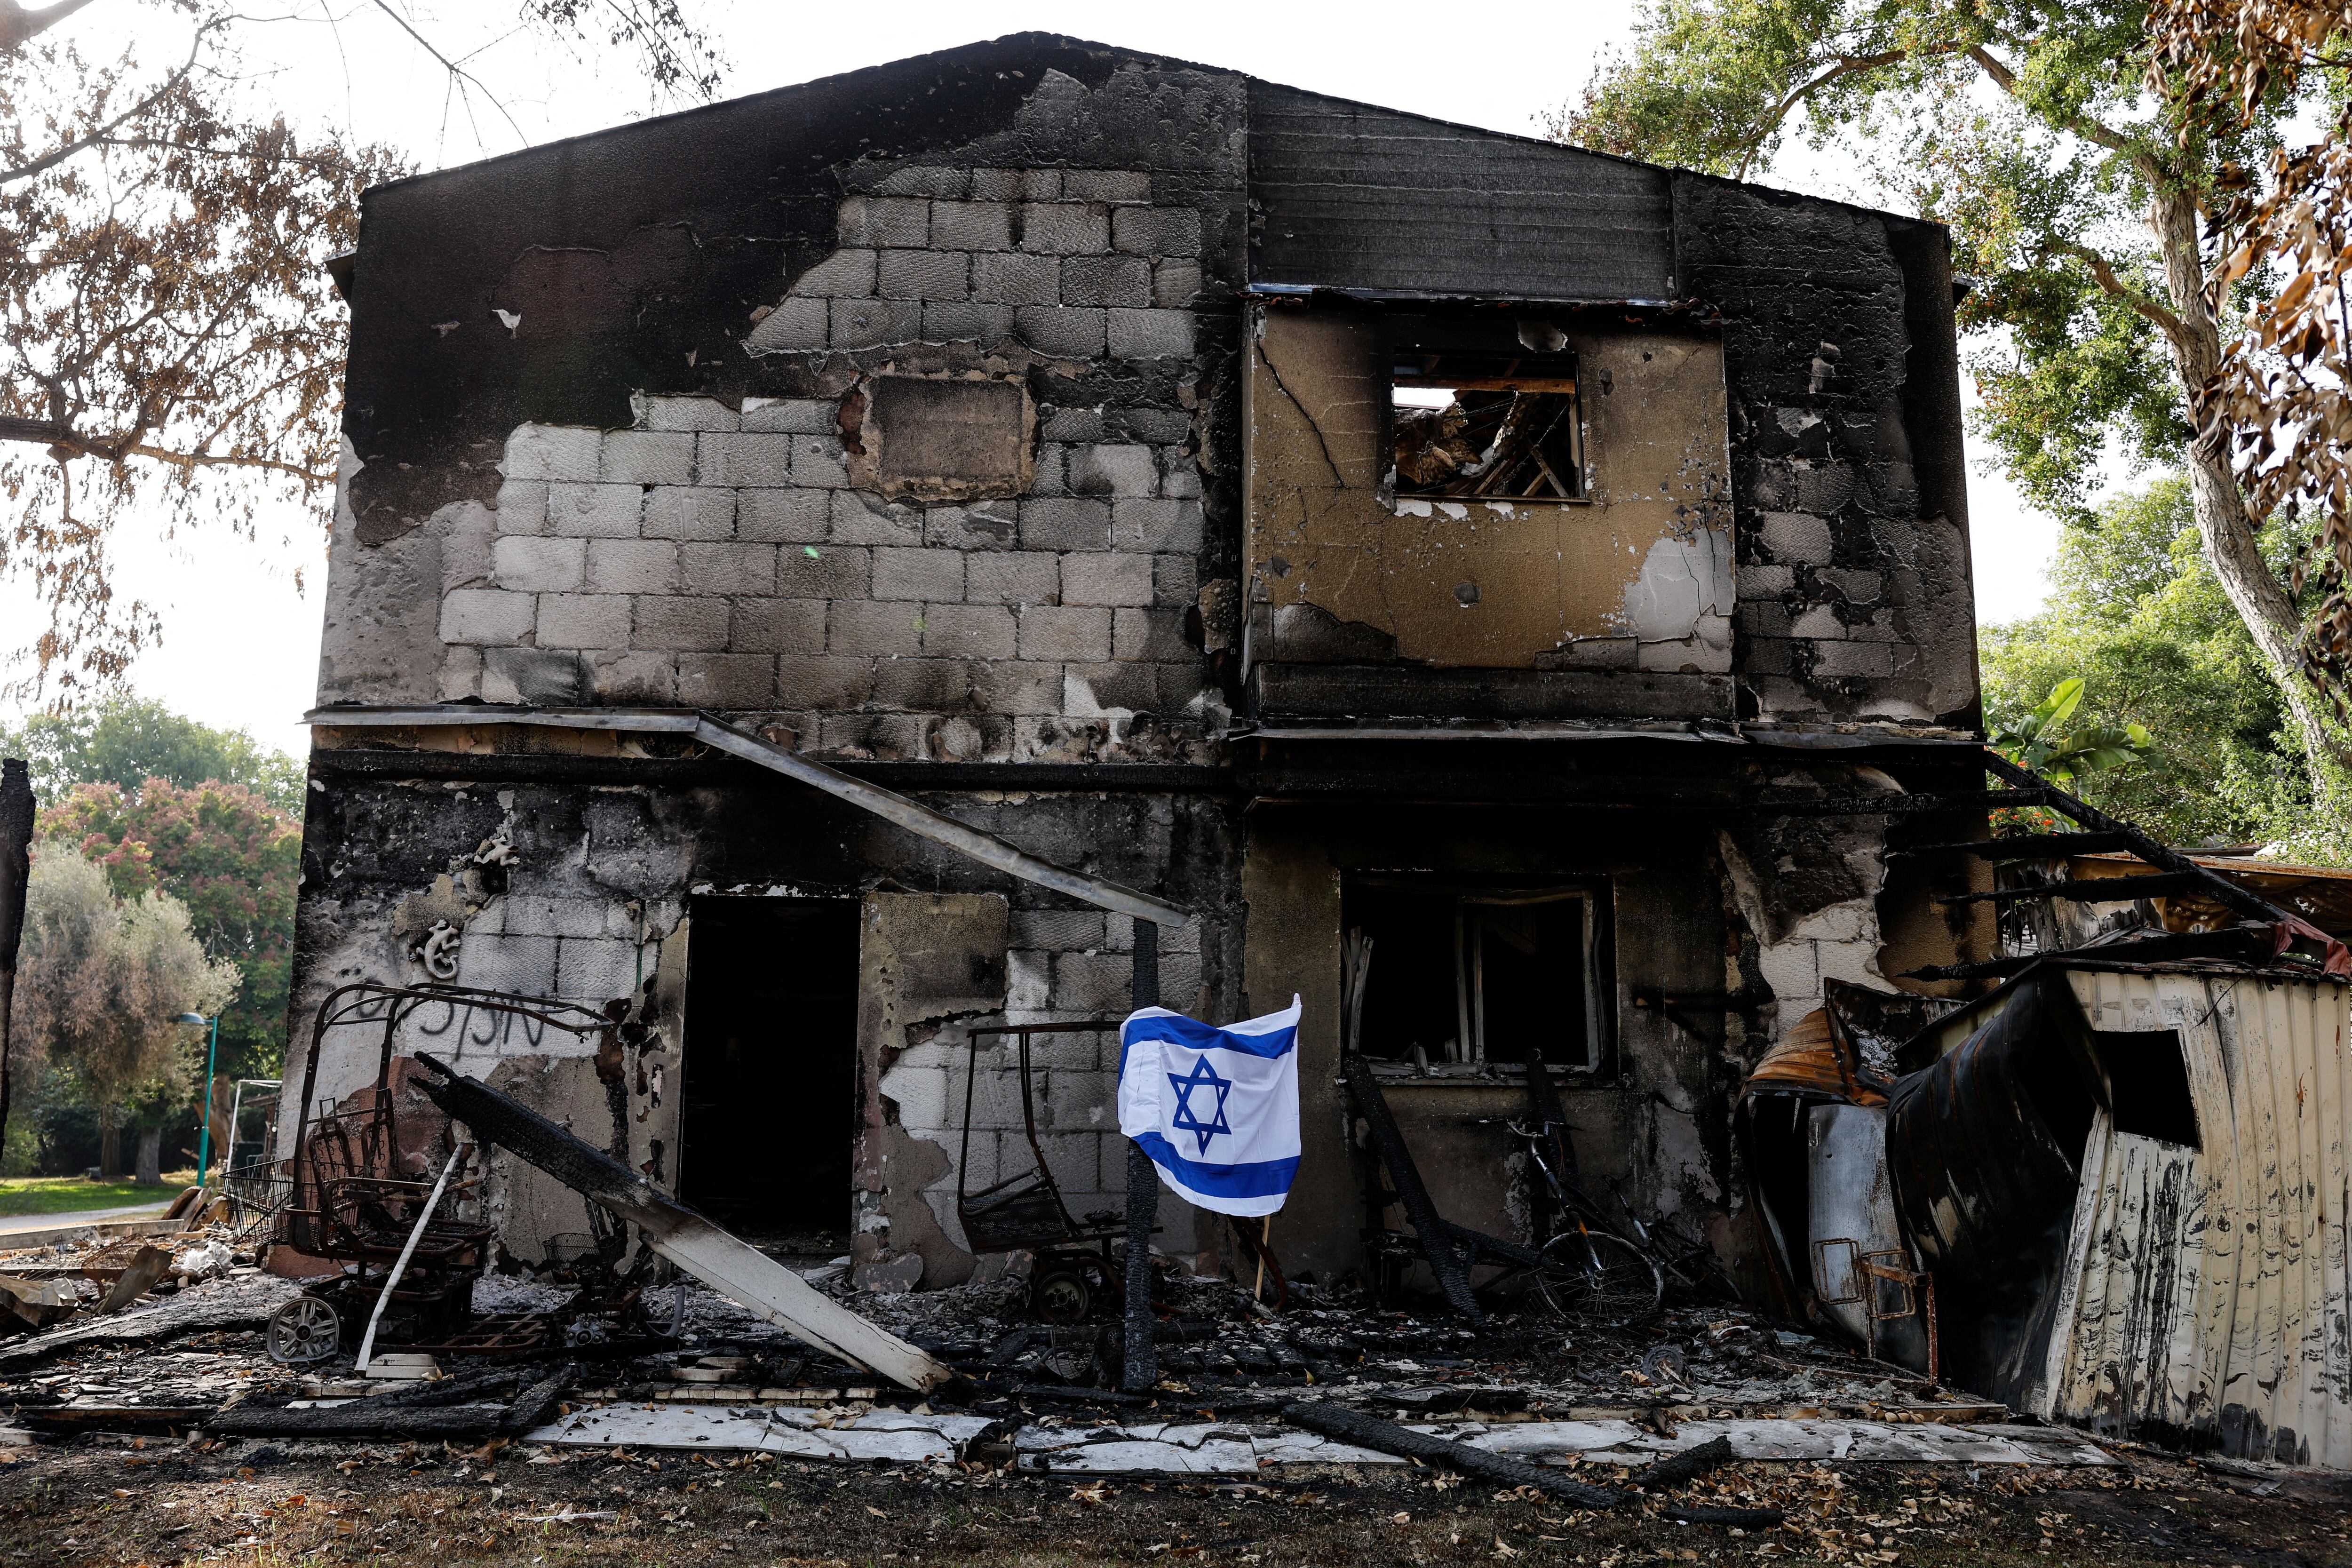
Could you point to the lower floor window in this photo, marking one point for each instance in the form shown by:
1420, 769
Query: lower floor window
1473, 975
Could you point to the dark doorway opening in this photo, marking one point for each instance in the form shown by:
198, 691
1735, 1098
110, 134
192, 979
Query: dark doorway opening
768, 1105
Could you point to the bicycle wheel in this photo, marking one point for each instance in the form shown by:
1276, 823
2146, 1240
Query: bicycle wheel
1599, 1278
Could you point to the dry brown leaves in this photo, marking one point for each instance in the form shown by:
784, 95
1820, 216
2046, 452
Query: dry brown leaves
2281, 396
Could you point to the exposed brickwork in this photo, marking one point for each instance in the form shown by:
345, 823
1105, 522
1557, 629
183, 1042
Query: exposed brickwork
727, 540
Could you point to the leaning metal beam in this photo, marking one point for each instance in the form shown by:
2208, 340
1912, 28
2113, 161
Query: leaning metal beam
733, 1267
892, 808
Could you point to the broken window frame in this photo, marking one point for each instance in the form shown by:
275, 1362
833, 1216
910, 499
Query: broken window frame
1593, 1057
1539, 374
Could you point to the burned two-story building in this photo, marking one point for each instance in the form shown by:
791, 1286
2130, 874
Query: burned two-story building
822, 571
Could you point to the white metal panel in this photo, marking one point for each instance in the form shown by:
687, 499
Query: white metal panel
1851, 1199
2207, 1290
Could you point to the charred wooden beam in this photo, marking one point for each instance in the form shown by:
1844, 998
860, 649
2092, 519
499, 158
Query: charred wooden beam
1897, 804
2090, 891
1387, 1437
2238, 943
2027, 846
1437, 1243
1680, 1469
354, 1421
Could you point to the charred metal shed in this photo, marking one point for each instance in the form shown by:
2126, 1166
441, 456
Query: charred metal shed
825, 570
2129, 1181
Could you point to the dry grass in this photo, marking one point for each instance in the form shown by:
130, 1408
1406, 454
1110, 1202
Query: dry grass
114, 1506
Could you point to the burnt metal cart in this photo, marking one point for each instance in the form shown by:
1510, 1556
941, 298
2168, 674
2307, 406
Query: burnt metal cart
1024, 1210
355, 1189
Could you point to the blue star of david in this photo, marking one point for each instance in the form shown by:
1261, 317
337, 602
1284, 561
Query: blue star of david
1186, 1120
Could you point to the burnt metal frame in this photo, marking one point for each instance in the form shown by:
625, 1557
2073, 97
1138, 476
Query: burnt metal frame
371, 1002
2174, 873
1070, 1231
1865, 1271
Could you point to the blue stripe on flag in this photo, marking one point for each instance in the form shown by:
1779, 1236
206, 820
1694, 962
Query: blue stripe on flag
1264, 1179
1195, 1036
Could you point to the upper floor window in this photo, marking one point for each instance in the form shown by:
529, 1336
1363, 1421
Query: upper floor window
1487, 426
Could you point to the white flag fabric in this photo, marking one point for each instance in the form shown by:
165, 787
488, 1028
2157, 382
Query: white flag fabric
1217, 1109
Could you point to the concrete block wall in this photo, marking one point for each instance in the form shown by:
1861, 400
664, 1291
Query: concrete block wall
717, 557
1064, 967
1855, 595
1841, 943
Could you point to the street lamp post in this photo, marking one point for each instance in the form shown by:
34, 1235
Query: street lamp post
212, 1057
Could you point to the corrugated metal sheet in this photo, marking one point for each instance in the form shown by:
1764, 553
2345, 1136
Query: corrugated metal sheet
1351, 196
2206, 1291
1814, 1060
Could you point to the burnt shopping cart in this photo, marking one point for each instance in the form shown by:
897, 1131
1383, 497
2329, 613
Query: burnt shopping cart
360, 1180
1024, 1211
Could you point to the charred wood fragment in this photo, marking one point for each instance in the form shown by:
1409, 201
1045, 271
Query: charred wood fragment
1387, 1437
351, 1421
1436, 1238
1680, 1469
536, 1403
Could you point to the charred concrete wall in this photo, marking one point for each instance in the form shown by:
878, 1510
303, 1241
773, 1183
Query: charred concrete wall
1850, 506
589, 895
1635, 577
920, 473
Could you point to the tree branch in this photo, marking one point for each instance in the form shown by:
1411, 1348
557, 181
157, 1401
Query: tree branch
457, 73
2170, 325
57, 155
19, 26
1851, 66
2089, 130
66, 442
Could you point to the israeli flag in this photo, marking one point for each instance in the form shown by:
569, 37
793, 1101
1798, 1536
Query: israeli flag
1217, 1109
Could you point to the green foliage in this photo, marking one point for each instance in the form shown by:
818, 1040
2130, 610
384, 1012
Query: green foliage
100, 982
2042, 743
234, 859
2024, 126
126, 739
2136, 613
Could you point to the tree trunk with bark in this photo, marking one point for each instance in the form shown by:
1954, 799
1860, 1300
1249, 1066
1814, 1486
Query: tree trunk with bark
150, 1170
2231, 541
109, 1143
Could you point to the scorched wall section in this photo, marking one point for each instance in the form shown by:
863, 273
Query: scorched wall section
587, 895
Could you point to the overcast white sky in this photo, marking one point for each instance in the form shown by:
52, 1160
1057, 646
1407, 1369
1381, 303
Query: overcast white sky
240, 641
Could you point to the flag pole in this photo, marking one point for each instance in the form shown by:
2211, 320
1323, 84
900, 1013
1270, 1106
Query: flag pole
1265, 1234
1142, 1368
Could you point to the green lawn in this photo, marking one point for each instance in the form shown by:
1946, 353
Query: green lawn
66, 1194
